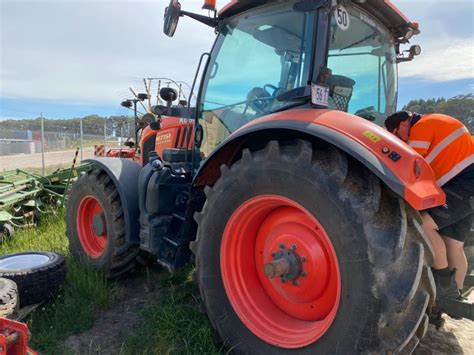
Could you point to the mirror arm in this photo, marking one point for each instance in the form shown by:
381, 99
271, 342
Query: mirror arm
211, 22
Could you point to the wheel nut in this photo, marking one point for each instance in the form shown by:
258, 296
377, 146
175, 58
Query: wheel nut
302, 259
295, 283
303, 274
282, 246
293, 246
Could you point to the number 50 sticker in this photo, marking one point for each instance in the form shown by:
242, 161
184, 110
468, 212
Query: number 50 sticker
342, 18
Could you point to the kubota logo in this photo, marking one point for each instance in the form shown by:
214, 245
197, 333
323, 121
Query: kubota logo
163, 138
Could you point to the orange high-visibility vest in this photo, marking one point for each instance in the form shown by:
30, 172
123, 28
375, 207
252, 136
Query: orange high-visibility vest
445, 143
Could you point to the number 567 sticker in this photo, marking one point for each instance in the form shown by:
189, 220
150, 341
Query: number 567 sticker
320, 95
342, 17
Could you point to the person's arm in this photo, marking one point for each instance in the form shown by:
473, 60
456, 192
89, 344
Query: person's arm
421, 137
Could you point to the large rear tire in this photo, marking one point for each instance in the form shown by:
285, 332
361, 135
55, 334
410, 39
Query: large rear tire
362, 282
96, 225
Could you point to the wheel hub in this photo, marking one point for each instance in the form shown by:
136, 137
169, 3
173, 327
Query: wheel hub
285, 264
98, 224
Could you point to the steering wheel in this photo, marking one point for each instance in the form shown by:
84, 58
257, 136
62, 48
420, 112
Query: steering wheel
272, 87
258, 99
261, 99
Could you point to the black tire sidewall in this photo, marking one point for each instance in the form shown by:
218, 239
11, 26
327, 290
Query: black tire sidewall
341, 223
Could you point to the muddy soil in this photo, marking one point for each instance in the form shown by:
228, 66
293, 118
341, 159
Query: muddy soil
114, 325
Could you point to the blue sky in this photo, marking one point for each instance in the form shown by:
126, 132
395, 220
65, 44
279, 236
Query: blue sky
70, 58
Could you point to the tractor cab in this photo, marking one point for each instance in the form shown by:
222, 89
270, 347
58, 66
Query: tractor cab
270, 56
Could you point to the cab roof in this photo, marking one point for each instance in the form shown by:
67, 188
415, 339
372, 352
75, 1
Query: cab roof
384, 10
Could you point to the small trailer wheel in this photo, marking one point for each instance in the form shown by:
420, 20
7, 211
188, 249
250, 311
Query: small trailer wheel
6, 232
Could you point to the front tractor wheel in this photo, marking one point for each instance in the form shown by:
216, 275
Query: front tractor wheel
96, 225
300, 249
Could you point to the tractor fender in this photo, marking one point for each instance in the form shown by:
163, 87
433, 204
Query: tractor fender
402, 169
124, 173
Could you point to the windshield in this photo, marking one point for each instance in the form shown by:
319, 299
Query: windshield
362, 62
258, 56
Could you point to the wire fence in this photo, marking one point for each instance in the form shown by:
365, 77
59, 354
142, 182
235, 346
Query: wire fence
52, 144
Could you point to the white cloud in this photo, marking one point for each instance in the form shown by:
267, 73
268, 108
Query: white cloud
444, 60
447, 39
91, 51
86, 51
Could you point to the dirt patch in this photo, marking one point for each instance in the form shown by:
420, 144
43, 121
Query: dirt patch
456, 337
115, 324
20, 161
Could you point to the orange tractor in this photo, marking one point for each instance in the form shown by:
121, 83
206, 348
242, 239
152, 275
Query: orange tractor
298, 210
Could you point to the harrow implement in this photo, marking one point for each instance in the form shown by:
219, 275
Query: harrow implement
25, 196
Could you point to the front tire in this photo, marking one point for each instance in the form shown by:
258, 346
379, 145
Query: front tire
365, 257
96, 225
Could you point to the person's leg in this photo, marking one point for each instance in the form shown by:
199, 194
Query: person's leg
456, 259
443, 275
431, 229
454, 237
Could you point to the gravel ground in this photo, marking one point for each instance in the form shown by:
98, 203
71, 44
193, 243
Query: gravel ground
456, 337
21, 161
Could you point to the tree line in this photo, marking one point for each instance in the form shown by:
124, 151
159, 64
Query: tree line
91, 125
460, 107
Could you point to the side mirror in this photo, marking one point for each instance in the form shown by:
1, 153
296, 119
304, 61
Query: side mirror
171, 18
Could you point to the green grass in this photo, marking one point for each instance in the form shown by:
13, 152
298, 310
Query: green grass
84, 290
173, 325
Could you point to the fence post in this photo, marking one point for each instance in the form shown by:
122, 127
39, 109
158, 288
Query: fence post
121, 136
42, 145
81, 139
105, 133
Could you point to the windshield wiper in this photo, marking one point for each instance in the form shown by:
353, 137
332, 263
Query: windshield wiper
296, 94
373, 35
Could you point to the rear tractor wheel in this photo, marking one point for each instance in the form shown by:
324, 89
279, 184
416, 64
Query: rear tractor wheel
301, 249
96, 225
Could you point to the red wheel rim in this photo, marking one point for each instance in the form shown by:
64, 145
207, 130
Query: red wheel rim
92, 243
286, 314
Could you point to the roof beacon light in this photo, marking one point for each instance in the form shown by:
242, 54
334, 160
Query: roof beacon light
209, 5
